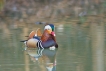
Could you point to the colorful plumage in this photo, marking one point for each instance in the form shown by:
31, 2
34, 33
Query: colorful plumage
45, 40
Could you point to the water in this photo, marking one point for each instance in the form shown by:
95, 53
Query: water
80, 49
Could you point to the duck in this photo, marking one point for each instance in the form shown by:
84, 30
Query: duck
44, 40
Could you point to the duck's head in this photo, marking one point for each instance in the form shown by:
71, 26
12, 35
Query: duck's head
50, 29
48, 32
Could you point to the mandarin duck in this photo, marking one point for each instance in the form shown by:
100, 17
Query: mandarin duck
45, 40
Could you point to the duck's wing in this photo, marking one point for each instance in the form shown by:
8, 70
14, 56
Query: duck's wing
38, 32
31, 35
35, 33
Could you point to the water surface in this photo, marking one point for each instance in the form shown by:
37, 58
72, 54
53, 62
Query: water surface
80, 49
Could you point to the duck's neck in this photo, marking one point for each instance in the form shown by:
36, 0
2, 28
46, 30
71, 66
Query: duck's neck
46, 37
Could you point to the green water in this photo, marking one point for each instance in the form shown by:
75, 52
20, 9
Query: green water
80, 49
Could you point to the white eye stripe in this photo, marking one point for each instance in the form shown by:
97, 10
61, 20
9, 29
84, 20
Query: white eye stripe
47, 27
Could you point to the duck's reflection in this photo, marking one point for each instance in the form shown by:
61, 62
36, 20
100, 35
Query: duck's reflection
46, 58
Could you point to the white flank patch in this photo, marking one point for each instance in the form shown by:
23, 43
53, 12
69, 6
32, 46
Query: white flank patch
52, 48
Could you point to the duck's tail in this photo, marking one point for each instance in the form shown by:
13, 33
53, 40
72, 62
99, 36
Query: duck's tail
23, 40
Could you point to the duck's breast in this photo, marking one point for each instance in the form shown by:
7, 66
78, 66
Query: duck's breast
48, 43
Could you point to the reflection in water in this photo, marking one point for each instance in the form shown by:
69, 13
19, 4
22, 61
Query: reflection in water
45, 58
60, 29
98, 46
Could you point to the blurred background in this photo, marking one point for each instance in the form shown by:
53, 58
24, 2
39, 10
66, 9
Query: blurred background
80, 33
